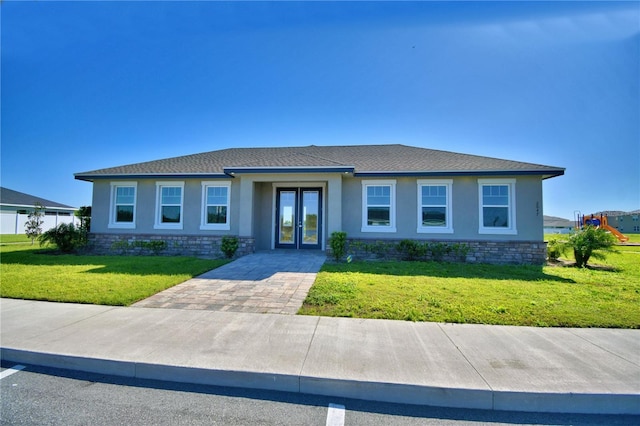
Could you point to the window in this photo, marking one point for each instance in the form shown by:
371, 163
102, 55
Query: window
123, 205
215, 205
497, 206
169, 205
434, 206
379, 209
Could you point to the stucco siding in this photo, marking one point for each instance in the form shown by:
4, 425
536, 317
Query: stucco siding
464, 206
145, 216
251, 201
263, 217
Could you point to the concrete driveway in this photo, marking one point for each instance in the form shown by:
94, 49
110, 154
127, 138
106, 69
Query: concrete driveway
263, 282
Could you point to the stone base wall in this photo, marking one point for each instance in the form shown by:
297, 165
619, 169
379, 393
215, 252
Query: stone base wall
492, 252
207, 246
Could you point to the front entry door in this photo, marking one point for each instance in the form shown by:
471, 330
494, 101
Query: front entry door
299, 218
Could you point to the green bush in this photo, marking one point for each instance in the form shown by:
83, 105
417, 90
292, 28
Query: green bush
438, 250
411, 250
65, 236
229, 246
338, 243
590, 242
556, 248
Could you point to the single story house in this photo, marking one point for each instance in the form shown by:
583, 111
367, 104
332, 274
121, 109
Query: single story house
295, 197
15, 208
558, 225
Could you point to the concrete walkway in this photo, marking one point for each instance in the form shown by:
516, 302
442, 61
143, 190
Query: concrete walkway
451, 365
274, 282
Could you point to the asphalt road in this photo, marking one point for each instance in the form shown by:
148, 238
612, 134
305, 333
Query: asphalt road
39, 395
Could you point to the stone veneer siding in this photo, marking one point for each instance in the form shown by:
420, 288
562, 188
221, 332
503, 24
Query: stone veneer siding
493, 252
177, 245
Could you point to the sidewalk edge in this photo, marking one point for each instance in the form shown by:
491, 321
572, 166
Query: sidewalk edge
579, 403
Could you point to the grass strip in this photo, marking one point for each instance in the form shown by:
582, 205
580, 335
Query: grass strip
27, 272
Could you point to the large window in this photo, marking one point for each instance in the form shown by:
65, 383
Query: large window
215, 205
497, 206
122, 213
434, 206
169, 205
379, 206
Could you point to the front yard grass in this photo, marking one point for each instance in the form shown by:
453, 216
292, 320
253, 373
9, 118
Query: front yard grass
552, 296
26, 272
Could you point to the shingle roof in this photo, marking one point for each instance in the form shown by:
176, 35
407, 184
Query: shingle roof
362, 160
557, 222
15, 198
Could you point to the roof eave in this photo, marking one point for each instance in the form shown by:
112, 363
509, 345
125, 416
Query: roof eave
67, 208
88, 177
546, 174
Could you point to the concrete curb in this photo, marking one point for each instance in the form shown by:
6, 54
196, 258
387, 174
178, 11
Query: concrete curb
581, 403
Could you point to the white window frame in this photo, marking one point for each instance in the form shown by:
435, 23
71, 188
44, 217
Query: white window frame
392, 208
511, 207
113, 223
203, 217
158, 222
448, 228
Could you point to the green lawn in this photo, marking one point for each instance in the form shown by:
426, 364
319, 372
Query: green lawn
483, 294
14, 238
28, 273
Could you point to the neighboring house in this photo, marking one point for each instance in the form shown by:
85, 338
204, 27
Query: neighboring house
295, 197
625, 222
15, 207
558, 225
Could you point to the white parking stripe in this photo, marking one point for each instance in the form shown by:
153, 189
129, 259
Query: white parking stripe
335, 415
10, 371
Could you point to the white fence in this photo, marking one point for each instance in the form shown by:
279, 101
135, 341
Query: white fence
13, 222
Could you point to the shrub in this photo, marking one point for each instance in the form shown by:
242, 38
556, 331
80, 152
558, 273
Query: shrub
590, 242
65, 236
438, 250
556, 248
338, 243
84, 214
460, 250
229, 246
411, 250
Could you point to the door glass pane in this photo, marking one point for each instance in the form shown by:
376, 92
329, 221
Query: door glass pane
287, 217
310, 211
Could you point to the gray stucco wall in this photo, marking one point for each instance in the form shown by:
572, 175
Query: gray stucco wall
146, 208
465, 210
263, 205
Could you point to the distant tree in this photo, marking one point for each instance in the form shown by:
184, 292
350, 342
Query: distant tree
590, 242
33, 226
84, 214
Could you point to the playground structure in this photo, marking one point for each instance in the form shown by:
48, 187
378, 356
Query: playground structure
600, 221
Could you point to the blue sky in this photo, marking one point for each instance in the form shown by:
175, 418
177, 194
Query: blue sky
88, 85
